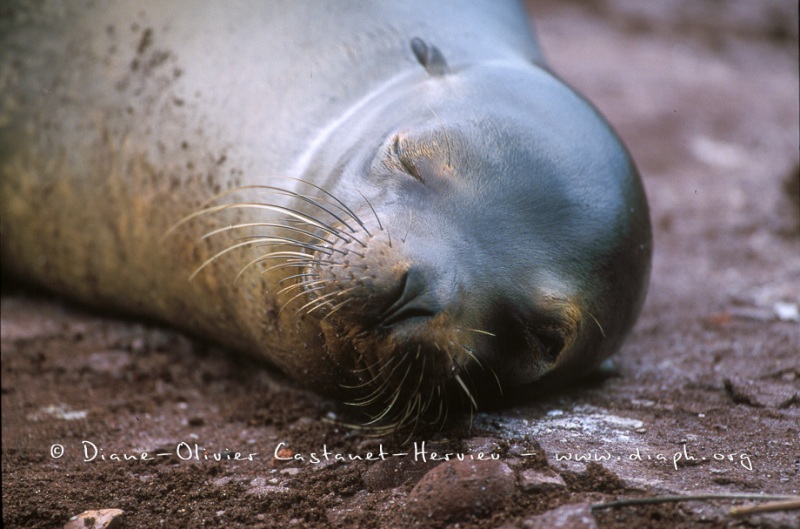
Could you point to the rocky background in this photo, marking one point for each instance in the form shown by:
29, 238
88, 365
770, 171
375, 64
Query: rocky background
705, 398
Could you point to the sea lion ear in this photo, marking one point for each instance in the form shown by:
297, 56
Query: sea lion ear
430, 57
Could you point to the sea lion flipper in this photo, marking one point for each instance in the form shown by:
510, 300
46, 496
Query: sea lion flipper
430, 57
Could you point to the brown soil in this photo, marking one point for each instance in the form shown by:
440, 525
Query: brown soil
705, 397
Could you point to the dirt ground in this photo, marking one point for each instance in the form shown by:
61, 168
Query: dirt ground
704, 399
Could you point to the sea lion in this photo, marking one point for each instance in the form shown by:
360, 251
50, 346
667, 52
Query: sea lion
393, 202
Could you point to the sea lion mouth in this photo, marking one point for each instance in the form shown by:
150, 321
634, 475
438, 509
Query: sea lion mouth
410, 374
409, 365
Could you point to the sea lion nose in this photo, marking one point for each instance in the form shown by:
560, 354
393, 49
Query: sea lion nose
415, 302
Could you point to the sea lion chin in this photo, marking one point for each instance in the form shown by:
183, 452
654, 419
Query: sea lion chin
454, 230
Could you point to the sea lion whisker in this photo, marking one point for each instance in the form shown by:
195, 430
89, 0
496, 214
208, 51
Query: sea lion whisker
466, 390
322, 301
272, 255
446, 410
187, 218
204, 210
479, 331
418, 407
307, 219
303, 293
301, 284
336, 308
297, 215
365, 400
465, 370
359, 254
428, 401
421, 376
396, 395
372, 380
375, 213
231, 191
343, 206
328, 295
359, 404
297, 263
290, 242
310, 200
440, 412
298, 276
314, 303
234, 247
297, 258
472, 354
381, 371
265, 225
597, 322
380, 375
374, 395
370, 368
362, 385
410, 407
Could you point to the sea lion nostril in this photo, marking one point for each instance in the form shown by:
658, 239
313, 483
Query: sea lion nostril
413, 301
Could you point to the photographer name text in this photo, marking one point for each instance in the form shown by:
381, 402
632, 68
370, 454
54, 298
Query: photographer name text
419, 451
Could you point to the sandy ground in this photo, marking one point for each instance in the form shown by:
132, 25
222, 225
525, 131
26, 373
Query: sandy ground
705, 397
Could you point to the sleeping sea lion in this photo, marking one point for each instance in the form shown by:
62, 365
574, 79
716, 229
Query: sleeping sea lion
397, 203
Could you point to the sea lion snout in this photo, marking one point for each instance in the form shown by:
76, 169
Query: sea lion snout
415, 302
414, 327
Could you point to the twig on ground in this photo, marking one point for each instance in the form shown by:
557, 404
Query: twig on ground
778, 502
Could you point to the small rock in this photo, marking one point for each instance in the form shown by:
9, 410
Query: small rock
787, 311
112, 363
259, 487
99, 519
761, 394
391, 473
485, 445
574, 516
540, 480
454, 489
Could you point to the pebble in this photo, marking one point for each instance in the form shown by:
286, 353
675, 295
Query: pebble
485, 445
455, 489
761, 394
99, 519
540, 481
391, 473
574, 516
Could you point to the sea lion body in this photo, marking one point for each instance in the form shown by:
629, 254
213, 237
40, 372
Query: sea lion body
394, 196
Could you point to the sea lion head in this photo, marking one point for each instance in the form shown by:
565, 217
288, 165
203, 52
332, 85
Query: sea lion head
495, 236
464, 233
